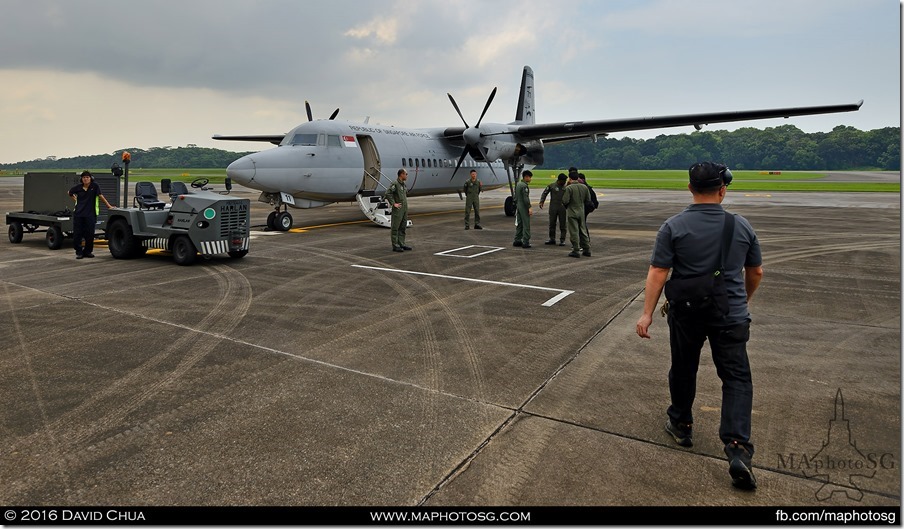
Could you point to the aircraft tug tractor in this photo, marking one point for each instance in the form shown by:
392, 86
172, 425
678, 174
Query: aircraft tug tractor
194, 222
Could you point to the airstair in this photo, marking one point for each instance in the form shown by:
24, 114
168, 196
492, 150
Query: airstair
373, 205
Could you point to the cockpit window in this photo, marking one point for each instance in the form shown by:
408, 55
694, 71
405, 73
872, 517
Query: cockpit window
304, 139
333, 141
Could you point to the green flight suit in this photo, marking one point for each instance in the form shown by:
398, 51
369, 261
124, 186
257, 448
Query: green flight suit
556, 210
575, 196
472, 200
522, 212
397, 194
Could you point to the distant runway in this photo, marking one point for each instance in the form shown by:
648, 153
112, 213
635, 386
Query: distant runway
325, 369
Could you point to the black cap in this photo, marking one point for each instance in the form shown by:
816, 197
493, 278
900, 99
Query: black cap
562, 177
706, 175
87, 173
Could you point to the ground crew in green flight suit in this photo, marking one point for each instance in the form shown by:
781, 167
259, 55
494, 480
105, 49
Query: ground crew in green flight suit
397, 196
556, 209
575, 196
523, 211
472, 190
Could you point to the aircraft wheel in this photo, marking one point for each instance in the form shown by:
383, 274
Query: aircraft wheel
271, 221
15, 232
509, 207
54, 238
283, 221
184, 252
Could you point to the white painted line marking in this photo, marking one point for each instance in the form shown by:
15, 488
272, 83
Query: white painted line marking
448, 253
562, 294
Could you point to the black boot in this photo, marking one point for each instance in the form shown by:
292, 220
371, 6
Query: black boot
739, 466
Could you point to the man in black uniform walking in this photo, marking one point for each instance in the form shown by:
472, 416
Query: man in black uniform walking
84, 221
690, 244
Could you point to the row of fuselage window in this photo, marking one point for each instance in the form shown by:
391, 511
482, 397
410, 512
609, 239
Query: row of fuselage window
434, 163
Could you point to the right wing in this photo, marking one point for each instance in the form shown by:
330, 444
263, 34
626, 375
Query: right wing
572, 130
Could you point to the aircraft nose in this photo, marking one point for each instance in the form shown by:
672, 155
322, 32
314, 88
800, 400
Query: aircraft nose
241, 171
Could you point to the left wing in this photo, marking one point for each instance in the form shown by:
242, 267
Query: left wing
572, 130
275, 139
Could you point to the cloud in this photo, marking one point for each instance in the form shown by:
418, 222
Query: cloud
395, 60
384, 30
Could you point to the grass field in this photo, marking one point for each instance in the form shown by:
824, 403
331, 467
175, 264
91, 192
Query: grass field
743, 181
599, 179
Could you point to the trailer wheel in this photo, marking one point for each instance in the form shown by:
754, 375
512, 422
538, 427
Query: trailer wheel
123, 245
238, 254
15, 232
54, 238
184, 252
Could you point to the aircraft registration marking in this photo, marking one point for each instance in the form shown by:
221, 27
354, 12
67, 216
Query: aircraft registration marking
451, 253
562, 293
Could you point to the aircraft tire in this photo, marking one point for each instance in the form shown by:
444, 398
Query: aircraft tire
271, 221
15, 232
509, 207
54, 238
283, 221
184, 252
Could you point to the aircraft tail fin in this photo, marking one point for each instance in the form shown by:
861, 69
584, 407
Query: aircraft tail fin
525, 113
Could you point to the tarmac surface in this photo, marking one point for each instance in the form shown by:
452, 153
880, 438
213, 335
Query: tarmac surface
324, 369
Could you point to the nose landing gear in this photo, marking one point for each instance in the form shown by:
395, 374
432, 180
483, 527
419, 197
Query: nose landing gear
279, 220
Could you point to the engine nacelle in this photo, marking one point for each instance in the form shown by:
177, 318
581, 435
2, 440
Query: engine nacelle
499, 149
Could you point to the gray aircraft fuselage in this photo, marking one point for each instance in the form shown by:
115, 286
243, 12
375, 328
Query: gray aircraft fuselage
323, 161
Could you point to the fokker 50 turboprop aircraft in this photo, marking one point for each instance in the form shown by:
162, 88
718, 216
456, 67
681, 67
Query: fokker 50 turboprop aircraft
326, 161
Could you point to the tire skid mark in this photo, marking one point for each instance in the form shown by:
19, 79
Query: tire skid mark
55, 449
511, 477
230, 309
818, 251
151, 428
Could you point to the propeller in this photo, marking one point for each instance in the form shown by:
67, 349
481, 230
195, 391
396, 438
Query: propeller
307, 107
471, 135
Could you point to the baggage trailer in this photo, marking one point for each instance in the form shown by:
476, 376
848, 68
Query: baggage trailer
46, 204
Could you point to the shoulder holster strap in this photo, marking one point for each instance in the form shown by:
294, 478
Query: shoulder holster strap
727, 236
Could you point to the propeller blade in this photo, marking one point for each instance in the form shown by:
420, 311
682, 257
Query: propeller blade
307, 107
336, 113
486, 107
493, 171
460, 160
454, 104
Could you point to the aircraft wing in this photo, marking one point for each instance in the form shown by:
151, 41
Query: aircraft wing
559, 132
272, 138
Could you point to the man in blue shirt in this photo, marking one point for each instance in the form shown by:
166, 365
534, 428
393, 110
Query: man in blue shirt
689, 243
86, 195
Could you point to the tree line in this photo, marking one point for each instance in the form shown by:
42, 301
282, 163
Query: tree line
779, 148
188, 157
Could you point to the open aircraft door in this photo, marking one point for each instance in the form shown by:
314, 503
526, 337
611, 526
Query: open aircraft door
373, 185
372, 167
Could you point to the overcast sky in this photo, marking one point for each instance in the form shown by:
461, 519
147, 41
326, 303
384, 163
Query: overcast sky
93, 76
